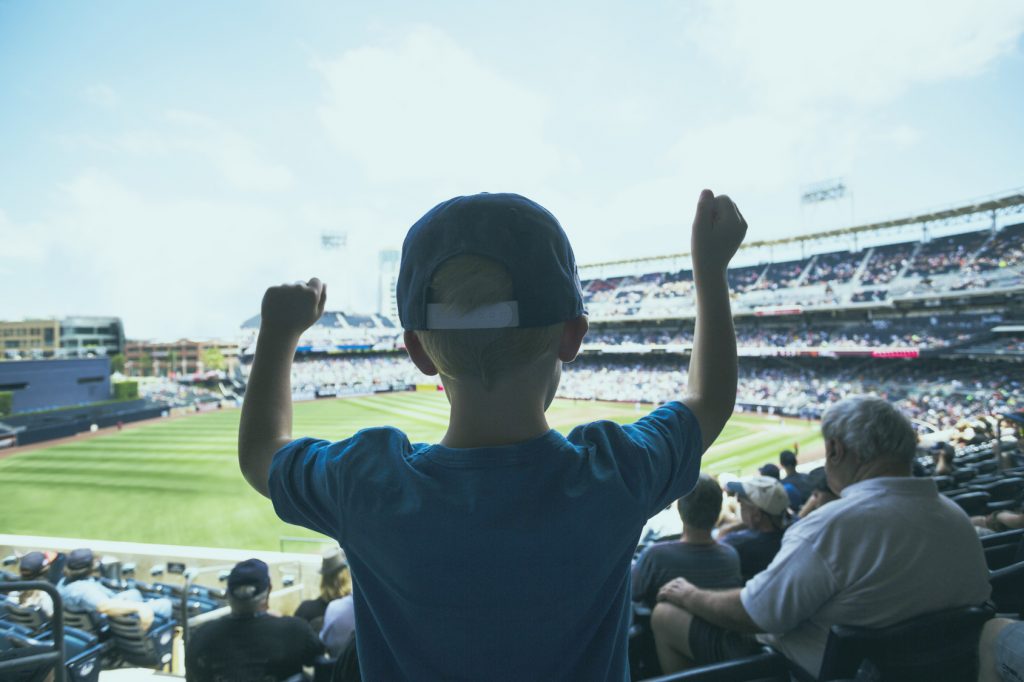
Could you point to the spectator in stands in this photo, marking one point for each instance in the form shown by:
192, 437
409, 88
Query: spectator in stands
695, 556
335, 583
942, 457
821, 494
471, 558
763, 504
339, 625
250, 644
34, 566
771, 471
798, 488
81, 591
867, 559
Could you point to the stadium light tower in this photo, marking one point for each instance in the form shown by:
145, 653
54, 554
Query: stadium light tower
827, 192
330, 243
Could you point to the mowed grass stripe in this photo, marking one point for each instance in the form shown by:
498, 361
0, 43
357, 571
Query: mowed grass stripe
177, 480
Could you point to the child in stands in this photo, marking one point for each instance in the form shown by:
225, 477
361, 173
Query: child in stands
502, 552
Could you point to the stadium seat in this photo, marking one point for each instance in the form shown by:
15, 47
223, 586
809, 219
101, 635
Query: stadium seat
1010, 537
32, 617
1008, 589
943, 482
768, 666
974, 503
1001, 490
936, 647
150, 649
961, 476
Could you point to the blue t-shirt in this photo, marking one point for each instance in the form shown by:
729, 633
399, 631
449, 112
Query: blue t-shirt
501, 563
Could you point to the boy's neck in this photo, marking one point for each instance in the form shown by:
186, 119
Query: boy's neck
502, 416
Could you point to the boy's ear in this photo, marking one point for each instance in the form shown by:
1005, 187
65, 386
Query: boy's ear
419, 356
572, 338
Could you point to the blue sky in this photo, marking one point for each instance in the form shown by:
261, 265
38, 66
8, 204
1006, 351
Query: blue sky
166, 162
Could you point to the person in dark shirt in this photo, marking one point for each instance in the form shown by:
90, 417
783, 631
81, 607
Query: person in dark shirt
250, 645
798, 486
763, 504
335, 583
695, 556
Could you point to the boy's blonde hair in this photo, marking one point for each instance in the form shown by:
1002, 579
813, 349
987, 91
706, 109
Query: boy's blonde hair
465, 283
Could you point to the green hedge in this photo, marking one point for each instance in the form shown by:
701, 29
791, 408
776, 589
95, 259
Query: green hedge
126, 390
6, 403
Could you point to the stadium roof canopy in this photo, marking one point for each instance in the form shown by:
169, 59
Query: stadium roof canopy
1005, 204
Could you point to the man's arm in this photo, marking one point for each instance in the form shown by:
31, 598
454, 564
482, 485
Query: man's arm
718, 231
266, 423
719, 607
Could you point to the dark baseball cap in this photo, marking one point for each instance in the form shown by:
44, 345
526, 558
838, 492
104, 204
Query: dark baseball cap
249, 579
34, 563
510, 229
80, 559
770, 470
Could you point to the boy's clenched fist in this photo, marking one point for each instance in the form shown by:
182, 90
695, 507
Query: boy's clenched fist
293, 308
718, 231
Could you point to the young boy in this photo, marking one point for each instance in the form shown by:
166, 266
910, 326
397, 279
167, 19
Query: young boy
503, 552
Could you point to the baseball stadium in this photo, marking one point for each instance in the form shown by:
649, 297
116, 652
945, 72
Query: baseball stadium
859, 515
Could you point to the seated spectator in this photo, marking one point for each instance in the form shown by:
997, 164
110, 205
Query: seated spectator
335, 583
942, 456
867, 559
771, 470
34, 566
821, 494
81, 591
763, 503
339, 625
250, 644
695, 556
797, 486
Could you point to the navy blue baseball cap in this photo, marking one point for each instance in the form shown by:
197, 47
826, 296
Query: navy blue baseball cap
34, 563
249, 579
80, 559
509, 229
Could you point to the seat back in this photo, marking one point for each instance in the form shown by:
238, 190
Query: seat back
82, 620
936, 647
149, 649
1008, 589
1010, 537
975, 504
30, 616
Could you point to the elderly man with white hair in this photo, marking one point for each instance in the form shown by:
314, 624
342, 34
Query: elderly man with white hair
889, 549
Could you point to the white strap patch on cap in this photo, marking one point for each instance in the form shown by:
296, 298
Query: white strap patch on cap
492, 316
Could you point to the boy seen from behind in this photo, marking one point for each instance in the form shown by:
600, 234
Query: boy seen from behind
502, 552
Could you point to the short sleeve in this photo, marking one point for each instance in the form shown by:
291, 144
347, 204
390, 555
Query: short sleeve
304, 484
670, 440
792, 589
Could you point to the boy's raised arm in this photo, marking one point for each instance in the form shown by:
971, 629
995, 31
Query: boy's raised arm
266, 424
718, 231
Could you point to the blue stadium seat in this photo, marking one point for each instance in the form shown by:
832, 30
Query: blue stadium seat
147, 649
1008, 589
937, 647
974, 503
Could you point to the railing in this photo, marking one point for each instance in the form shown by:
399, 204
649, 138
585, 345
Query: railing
55, 657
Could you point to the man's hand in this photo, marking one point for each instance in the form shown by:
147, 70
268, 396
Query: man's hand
291, 309
676, 592
718, 231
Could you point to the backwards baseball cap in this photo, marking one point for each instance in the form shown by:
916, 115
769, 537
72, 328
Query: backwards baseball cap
80, 559
249, 579
35, 563
764, 492
509, 229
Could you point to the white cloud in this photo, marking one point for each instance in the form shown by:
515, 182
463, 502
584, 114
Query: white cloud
428, 109
790, 54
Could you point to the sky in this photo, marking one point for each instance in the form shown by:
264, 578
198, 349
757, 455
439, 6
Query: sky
166, 162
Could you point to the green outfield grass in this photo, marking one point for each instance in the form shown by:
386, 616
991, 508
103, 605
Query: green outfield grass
177, 481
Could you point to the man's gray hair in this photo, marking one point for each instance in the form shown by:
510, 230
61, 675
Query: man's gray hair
870, 427
702, 506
